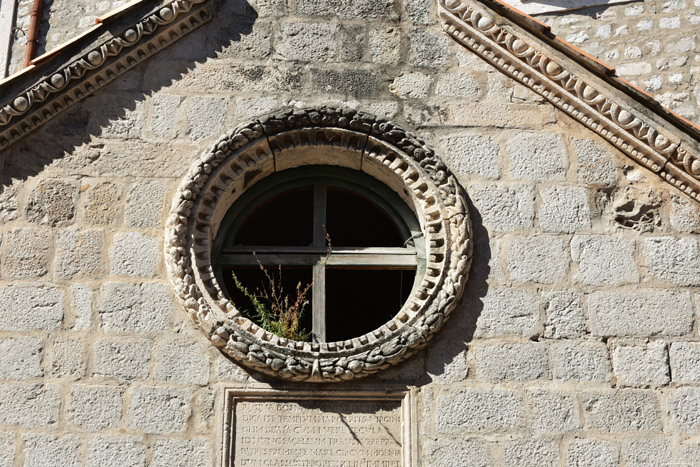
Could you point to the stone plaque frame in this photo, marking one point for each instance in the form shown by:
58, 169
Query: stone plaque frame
405, 396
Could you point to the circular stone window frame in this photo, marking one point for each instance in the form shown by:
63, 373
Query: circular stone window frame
293, 138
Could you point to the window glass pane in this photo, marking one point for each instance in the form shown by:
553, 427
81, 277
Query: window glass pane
353, 220
285, 220
254, 279
359, 301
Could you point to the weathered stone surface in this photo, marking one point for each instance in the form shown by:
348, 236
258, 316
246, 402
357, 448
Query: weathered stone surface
580, 361
82, 306
595, 163
349, 9
308, 42
675, 260
123, 359
640, 313
7, 449
108, 451
471, 154
159, 410
509, 311
542, 259
181, 453
592, 453
564, 311
411, 85
69, 359
116, 115
24, 253
102, 204
504, 208
446, 362
20, 357
512, 362
564, 209
457, 85
637, 209
164, 116
554, 411
134, 254
684, 215
79, 254
385, 45
31, 307
625, 410
182, 361
29, 405
604, 260
135, 307
533, 452
144, 206
477, 410
685, 362
52, 202
648, 451
419, 11
684, 409
95, 408
448, 453
641, 366
537, 156
206, 116
41, 449
427, 48
356, 83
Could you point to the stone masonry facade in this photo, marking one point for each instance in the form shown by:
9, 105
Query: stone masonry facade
576, 342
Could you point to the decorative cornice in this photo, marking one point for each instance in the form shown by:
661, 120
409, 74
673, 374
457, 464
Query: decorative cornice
257, 149
622, 126
95, 68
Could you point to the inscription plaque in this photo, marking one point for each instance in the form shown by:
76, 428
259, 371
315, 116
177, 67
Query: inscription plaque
316, 429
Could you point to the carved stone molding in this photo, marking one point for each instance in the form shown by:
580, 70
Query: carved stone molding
293, 138
99, 66
623, 127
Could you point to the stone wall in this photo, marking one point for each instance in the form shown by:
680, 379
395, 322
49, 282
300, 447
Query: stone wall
576, 342
654, 45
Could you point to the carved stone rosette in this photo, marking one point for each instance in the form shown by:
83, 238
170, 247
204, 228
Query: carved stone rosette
516, 57
293, 138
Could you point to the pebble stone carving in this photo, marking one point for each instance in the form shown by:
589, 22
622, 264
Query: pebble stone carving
254, 150
516, 57
99, 66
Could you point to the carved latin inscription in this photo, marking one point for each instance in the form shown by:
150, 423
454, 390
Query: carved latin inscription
300, 431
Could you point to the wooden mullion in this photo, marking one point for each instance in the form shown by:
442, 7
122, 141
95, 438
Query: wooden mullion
318, 303
320, 201
357, 260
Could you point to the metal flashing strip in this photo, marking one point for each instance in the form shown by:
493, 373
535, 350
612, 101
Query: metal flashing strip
7, 22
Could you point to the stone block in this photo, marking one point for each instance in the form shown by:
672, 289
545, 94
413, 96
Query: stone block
554, 411
8, 201
308, 42
427, 48
604, 260
537, 156
580, 361
530, 452
134, 255
206, 116
20, 357
641, 366
41, 450
79, 254
449, 453
116, 451
504, 208
52, 202
684, 215
564, 312
690, 452
164, 115
673, 22
135, 307
182, 361
116, 115
564, 209
94, 408
25, 253
472, 154
29, 405
205, 415
175, 452
684, 409
648, 452
592, 453
228, 370
675, 260
349, 9
354, 82
385, 45
159, 410
420, 11
101, 204
248, 108
411, 85
68, 359
685, 362
595, 163
640, 313
623, 410
542, 259
446, 361
469, 410
7, 449
508, 311
460, 84
123, 359
144, 205
31, 307
82, 306
511, 362
253, 41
